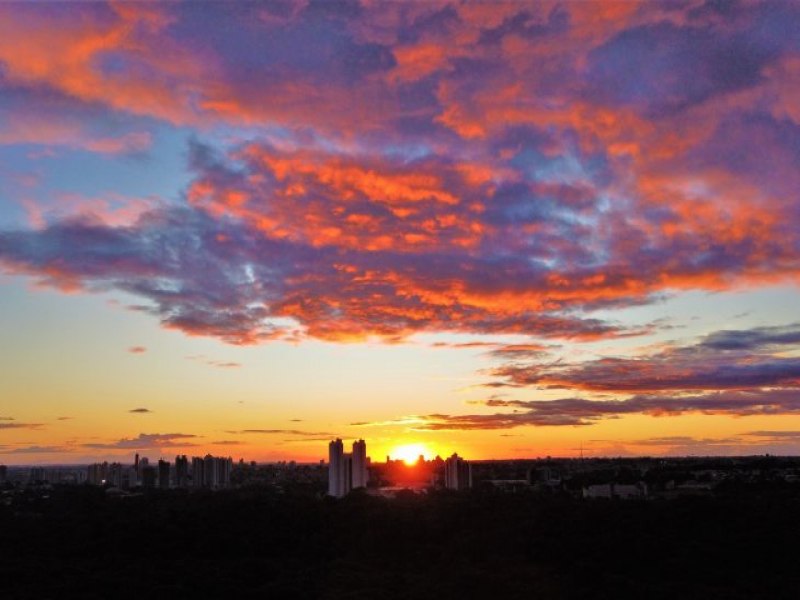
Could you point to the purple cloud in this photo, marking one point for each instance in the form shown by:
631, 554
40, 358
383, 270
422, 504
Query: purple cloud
485, 169
723, 360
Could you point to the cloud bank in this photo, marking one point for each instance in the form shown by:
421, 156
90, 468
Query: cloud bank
481, 168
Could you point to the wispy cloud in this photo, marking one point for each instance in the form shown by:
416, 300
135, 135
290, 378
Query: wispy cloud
148, 440
214, 363
137, 349
281, 432
140, 411
15, 425
34, 450
583, 411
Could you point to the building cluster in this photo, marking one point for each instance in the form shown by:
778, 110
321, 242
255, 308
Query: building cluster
212, 472
347, 472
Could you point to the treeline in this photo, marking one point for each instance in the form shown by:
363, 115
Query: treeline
75, 542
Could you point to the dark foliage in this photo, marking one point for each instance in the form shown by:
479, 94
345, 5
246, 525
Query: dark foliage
259, 543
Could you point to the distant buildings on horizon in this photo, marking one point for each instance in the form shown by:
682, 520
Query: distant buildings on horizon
212, 472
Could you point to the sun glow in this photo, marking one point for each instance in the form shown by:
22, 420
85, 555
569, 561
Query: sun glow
410, 453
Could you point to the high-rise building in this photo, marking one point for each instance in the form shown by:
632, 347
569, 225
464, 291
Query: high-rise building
115, 471
148, 476
181, 471
224, 469
359, 474
97, 474
210, 472
36, 475
3, 474
457, 473
336, 473
346, 471
131, 479
144, 462
163, 474
197, 472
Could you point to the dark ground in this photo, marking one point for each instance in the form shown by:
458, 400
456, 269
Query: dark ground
258, 543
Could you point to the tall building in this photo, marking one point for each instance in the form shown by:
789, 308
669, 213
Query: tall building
148, 476
3, 474
224, 469
115, 471
359, 474
457, 473
197, 472
336, 474
346, 471
97, 474
36, 475
144, 462
181, 471
211, 471
163, 474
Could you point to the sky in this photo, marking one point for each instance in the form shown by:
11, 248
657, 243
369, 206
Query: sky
510, 230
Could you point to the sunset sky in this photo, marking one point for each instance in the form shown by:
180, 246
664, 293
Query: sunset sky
503, 229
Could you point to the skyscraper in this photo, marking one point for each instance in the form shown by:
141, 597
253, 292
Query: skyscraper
148, 476
336, 471
346, 471
181, 471
208, 472
97, 473
457, 473
359, 465
163, 474
197, 472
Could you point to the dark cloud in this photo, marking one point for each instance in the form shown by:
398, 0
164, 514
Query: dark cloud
140, 411
754, 339
723, 360
664, 67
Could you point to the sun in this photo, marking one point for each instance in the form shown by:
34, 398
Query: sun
410, 453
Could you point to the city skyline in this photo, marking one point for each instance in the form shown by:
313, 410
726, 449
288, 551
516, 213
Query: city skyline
505, 229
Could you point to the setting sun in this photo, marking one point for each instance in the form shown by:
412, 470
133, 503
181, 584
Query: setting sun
410, 453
